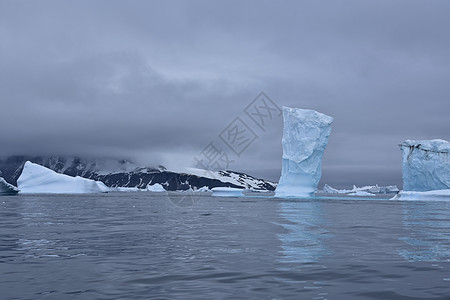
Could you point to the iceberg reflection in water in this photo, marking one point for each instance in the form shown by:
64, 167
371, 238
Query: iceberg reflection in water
427, 239
303, 241
191, 246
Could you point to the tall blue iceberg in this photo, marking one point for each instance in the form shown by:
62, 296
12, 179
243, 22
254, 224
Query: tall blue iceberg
305, 137
426, 165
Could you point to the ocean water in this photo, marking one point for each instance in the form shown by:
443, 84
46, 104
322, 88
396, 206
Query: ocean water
156, 246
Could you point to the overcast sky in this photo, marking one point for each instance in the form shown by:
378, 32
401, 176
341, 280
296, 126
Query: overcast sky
157, 81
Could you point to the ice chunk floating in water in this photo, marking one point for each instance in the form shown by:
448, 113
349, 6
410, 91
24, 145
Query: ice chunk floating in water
426, 165
305, 137
6, 188
155, 188
38, 179
372, 189
429, 195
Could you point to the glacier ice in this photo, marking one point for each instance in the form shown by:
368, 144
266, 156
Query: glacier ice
372, 189
125, 189
305, 137
6, 188
428, 195
425, 165
38, 179
361, 193
155, 188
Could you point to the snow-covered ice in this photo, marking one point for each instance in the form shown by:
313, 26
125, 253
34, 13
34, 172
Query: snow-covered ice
426, 165
38, 179
361, 193
305, 137
372, 189
227, 192
6, 188
155, 188
203, 189
331, 190
428, 195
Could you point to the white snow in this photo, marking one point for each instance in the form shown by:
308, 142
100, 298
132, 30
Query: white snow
155, 188
242, 180
426, 165
227, 192
361, 193
330, 190
6, 188
203, 189
428, 195
305, 137
38, 179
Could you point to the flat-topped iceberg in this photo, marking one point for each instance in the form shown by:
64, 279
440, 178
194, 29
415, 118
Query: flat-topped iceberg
305, 137
425, 165
6, 188
38, 179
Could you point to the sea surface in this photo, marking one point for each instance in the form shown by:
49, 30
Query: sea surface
146, 245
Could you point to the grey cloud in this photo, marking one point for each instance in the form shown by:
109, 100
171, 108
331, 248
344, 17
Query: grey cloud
160, 79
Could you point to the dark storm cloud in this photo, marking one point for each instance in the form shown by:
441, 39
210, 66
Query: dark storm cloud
158, 80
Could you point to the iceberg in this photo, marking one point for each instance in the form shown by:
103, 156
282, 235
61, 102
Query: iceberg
361, 193
425, 165
6, 188
428, 195
331, 190
203, 189
372, 189
38, 179
391, 189
305, 137
155, 188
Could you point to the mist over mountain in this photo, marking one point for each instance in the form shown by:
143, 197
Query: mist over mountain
159, 80
125, 173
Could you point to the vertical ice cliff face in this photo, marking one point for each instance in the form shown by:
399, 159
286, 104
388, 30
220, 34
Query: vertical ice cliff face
305, 137
426, 165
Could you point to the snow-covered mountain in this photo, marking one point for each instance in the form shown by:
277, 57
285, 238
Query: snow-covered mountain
124, 173
6, 188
